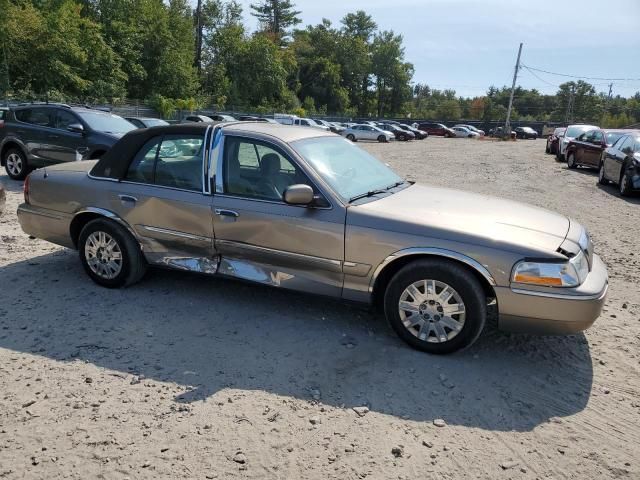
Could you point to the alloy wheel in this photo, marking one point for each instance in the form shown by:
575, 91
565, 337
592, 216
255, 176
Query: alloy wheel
103, 255
14, 164
432, 311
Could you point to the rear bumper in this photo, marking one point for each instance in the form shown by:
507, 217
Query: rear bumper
559, 312
45, 224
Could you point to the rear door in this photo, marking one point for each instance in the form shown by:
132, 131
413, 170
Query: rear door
162, 198
30, 128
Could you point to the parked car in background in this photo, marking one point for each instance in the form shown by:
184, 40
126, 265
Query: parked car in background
329, 125
418, 134
251, 118
400, 134
221, 117
497, 132
553, 139
586, 149
436, 129
526, 133
38, 135
302, 209
144, 122
570, 133
463, 132
472, 128
286, 119
367, 132
197, 118
621, 164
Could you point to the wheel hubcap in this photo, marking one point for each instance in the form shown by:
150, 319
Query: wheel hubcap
103, 255
14, 164
432, 311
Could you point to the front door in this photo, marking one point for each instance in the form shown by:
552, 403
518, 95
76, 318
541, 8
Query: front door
263, 239
162, 199
593, 149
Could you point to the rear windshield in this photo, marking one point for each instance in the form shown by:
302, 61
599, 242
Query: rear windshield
577, 130
106, 122
613, 136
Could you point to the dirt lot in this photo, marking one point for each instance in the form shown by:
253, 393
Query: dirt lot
183, 376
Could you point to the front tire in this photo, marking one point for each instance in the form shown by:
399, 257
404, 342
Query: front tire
624, 186
571, 161
15, 163
382, 139
436, 306
110, 255
351, 137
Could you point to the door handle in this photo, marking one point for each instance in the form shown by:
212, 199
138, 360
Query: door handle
226, 213
127, 199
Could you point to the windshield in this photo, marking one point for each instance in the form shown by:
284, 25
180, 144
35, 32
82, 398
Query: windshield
106, 122
577, 130
310, 121
348, 169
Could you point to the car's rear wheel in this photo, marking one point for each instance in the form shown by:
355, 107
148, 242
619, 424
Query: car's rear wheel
571, 161
351, 137
624, 186
15, 163
436, 306
382, 138
602, 179
110, 255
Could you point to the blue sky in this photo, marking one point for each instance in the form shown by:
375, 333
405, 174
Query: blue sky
469, 45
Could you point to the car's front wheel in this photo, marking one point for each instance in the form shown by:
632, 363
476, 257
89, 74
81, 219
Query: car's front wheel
15, 163
625, 182
351, 137
110, 255
571, 161
436, 306
382, 138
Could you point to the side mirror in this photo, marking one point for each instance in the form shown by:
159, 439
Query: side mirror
76, 128
299, 194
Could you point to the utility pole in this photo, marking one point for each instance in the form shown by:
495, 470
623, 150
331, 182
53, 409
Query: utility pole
568, 117
507, 125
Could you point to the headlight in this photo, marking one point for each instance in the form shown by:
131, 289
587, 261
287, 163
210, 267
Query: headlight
565, 274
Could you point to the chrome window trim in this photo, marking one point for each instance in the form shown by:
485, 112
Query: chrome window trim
481, 269
282, 253
107, 179
176, 233
166, 187
220, 182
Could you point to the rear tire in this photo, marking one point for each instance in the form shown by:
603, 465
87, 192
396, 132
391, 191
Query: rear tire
602, 179
417, 304
571, 161
110, 255
625, 186
15, 163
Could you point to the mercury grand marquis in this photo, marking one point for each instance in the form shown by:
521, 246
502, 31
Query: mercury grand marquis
307, 210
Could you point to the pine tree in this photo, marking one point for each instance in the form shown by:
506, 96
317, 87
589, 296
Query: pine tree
276, 16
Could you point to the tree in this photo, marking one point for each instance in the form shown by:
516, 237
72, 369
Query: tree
392, 74
276, 17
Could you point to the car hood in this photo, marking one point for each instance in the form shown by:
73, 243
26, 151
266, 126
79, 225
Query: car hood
465, 217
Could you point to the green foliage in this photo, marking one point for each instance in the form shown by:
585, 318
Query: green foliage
276, 16
166, 107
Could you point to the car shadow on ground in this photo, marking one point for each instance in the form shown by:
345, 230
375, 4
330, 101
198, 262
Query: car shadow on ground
209, 335
11, 185
612, 190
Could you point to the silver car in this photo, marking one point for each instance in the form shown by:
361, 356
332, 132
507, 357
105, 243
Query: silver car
367, 132
306, 210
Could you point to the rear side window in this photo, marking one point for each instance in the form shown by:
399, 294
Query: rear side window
171, 161
43, 117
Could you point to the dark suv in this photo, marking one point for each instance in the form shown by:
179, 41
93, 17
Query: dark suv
37, 135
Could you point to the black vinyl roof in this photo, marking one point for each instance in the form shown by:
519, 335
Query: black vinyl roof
115, 163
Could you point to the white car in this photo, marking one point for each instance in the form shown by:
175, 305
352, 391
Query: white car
472, 128
367, 132
570, 133
464, 132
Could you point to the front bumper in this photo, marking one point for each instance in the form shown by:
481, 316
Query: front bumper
554, 312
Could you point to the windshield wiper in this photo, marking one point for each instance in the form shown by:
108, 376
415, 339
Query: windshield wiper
371, 193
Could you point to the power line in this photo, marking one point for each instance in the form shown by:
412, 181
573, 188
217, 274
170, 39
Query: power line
583, 77
541, 79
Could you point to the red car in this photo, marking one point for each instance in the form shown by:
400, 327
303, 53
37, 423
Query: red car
436, 129
586, 149
553, 139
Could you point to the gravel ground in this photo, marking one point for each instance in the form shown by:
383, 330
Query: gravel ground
184, 376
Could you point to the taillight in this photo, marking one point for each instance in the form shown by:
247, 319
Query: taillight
25, 189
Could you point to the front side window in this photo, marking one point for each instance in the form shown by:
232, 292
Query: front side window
171, 161
258, 170
597, 137
627, 145
348, 169
64, 119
